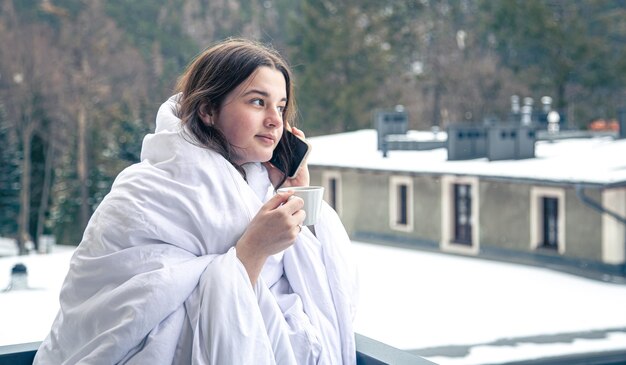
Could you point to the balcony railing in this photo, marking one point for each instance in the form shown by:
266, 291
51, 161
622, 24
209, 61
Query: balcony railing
21, 354
372, 352
368, 352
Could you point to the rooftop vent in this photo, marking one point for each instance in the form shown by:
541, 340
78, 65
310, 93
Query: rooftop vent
510, 142
466, 141
391, 122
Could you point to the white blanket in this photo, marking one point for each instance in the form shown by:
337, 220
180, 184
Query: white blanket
156, 279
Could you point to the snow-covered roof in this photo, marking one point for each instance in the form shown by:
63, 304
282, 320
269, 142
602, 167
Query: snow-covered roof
587, 161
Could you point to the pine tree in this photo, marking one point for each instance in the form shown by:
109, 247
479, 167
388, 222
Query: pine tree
568, 50
9, 178
340, 65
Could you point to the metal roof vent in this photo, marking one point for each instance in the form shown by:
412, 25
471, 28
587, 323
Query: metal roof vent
391, 122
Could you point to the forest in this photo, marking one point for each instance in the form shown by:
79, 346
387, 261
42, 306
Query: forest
81, 80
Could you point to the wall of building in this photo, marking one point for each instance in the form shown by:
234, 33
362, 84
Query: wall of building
505, 215
364, 198
614, 231
365, 195
583, 227
427, 205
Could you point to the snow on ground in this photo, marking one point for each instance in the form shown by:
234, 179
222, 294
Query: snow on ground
26, 315
416, 300
410, 300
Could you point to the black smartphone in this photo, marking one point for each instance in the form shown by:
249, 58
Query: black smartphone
296, 150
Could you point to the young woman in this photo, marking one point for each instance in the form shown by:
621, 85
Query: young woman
193, 258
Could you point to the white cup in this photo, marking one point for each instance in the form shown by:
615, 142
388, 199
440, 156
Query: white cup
312, 196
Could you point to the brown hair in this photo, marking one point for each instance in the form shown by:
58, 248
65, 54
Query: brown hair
216, 72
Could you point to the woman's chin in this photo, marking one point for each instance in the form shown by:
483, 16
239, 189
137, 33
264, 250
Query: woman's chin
258, 159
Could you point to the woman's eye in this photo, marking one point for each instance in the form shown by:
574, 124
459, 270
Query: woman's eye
258, 102
281, 108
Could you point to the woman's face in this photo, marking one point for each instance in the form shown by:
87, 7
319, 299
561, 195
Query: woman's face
251, 117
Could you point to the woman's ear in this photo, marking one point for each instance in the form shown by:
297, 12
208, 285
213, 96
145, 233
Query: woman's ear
206, 114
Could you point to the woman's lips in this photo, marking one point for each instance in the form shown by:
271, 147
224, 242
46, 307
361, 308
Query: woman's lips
266, 138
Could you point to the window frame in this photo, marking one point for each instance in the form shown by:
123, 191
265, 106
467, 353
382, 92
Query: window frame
537, 232
448, 214
327, 177
456, 216
394, 183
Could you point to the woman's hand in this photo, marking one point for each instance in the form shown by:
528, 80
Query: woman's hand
302, 177
272, 230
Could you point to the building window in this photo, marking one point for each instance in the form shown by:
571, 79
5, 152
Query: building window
401, 203
331, 180
459, 214
462, 214
332, 192
547, 221
550, 222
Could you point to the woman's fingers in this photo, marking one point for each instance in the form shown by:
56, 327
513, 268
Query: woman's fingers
297, 132
278, 199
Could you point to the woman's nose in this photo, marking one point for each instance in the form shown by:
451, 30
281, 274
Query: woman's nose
274, 118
